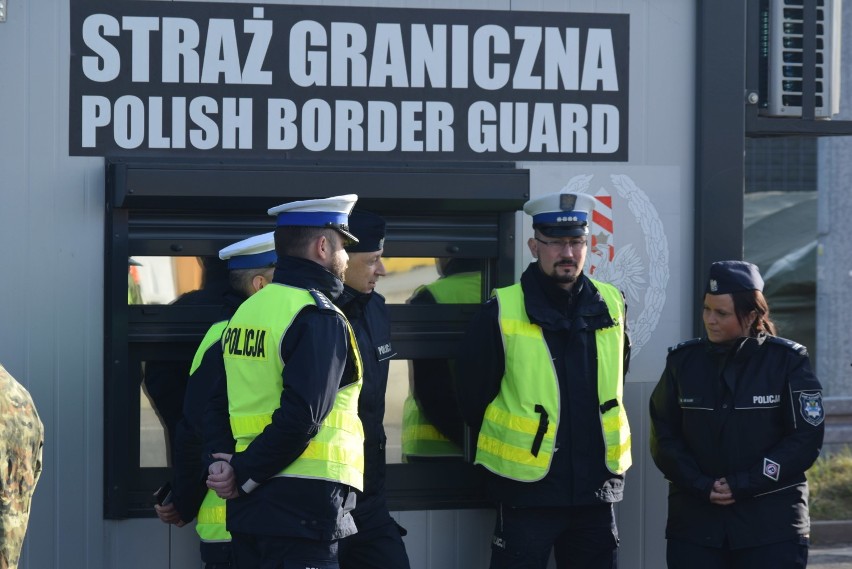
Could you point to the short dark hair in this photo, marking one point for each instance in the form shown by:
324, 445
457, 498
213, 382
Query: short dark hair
748, 301
294, 240
240, 279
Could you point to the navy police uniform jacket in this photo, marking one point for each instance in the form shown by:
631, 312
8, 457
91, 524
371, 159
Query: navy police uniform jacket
369, 317
751, 413
313, 349
578, 474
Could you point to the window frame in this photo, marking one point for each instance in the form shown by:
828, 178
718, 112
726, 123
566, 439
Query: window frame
175, 208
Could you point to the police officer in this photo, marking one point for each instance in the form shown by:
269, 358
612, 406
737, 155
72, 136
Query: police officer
21, 442
432, 429
250, 265
541, 370
736, 419
378, 543
293, 375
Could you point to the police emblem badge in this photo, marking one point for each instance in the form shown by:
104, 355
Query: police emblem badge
714, 286
771, 469
810, 405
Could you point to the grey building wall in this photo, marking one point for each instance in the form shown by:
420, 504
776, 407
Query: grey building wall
51, 296
834, 254
51, 291
834, 267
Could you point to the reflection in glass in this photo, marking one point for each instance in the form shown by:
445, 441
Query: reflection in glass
162, 280
394, 397
193, 280
420, 410
152, 436
185, 281
432, 425
404, 276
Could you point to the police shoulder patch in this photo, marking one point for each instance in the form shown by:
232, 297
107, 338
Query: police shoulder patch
685, 344
321, 300
790, 344
811, 407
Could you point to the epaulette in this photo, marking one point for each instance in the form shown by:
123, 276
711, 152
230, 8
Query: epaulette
795, 346
684, 344
322, 301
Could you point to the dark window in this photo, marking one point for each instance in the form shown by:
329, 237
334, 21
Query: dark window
780, 230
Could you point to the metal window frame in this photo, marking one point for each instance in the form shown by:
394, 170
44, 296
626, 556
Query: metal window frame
160, 207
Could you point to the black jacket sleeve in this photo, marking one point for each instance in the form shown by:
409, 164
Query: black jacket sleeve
668, 449
480, 365
189, 472
216, 425
188, 486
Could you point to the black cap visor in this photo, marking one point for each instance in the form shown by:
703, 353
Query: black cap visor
562, 229
343, 230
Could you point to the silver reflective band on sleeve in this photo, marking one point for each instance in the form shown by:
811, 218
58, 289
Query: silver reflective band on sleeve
249, 486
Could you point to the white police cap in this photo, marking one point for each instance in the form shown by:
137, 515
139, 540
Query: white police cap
561, 214
330, 212
255, 252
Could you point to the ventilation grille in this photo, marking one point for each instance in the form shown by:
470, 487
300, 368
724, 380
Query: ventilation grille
782, 43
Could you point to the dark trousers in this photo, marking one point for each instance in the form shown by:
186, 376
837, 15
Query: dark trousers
581, 537
216, 555
785, 555
379, 547
278, 552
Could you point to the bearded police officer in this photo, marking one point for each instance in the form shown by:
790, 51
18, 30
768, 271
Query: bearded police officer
250, 264
540, 377
378, 543
293, 375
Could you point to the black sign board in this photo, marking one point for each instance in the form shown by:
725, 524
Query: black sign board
306, 82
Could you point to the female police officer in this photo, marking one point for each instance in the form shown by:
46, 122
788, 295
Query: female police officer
737, 418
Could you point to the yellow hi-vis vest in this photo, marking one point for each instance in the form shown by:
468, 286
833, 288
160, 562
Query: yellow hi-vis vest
213, 335
460, 288
419, 436
253, 368
210, 525
519, 428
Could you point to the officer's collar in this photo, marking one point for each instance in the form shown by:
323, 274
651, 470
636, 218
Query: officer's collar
739, 348
304, 273
350, 296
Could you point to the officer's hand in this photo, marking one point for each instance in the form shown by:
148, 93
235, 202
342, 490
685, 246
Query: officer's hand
168, 514
721, 493
221, 479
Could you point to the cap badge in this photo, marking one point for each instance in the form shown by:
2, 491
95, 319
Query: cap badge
714, 286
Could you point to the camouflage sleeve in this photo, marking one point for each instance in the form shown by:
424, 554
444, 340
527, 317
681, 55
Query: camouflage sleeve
21, 443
